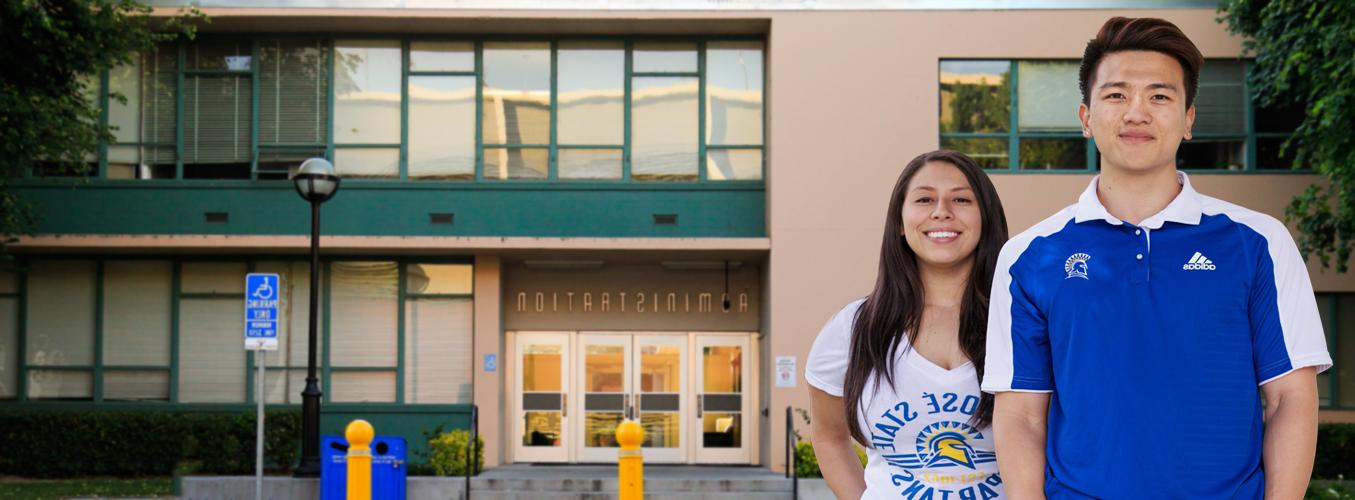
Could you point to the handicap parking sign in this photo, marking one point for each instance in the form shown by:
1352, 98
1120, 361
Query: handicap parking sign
261, 311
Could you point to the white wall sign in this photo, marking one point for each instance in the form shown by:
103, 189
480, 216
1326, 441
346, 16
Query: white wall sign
785, 371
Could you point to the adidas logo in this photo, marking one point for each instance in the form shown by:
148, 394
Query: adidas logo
1199, 263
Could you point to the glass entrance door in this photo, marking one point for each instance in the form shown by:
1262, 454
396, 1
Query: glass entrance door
660, 386
541, 384
603, 393
723, 406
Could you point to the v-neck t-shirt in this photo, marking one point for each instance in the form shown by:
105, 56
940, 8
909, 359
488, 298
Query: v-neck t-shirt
921, 442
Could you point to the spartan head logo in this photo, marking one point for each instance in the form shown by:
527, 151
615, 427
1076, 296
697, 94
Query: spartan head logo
1076, 265
944, 445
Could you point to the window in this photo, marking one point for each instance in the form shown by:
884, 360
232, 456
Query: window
104, 330
577, 110
1022, 115
1336, 387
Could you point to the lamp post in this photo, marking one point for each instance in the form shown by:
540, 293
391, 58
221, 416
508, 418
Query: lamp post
316, 182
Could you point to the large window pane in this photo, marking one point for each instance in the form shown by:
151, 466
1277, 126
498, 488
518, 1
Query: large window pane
442, 127
517, 93
61, 313
363, 332
1222, 154
367, 163
1222, 102
293, 312
211, 357
591, 84
733, 164
216, 127
293, 91
1048, 96
664, 58
438, 354
9, 347
441, 56
213, 277
734, 93
1053, 154
1272, 155
988, 153
517, 163
439, 278
125, 80
1278, 118
664, 128
975, 96
136, 313
589, 163
367, 91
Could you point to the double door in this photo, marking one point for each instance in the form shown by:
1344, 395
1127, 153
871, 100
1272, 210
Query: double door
687, 390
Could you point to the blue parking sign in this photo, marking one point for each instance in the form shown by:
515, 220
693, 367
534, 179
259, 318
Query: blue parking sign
261, 311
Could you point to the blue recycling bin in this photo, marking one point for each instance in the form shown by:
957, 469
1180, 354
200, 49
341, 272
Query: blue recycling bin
388, 468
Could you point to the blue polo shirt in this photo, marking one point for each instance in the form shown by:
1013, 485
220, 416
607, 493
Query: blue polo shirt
1152, 340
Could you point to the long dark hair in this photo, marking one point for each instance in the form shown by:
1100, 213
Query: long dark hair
894, 308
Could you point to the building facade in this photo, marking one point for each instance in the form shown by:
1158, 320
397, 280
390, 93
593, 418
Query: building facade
564, 217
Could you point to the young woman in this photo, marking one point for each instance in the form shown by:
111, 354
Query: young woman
899, 370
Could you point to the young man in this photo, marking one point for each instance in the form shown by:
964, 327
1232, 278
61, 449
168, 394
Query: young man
1128, 333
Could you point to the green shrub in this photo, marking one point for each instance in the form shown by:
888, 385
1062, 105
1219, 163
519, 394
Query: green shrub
807, 463
447, 453
1335, 452
1328, 491
69, 443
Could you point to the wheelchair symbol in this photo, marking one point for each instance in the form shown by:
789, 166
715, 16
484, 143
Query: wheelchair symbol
264, 292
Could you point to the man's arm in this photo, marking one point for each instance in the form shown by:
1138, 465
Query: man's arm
1290, 434
833, 446
1019, 424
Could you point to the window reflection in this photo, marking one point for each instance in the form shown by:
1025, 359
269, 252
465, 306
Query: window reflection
664, 128
516, 93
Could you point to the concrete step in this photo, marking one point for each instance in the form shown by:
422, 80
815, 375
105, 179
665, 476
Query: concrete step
657, 485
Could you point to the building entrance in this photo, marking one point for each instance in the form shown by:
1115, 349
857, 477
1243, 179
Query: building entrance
690, 392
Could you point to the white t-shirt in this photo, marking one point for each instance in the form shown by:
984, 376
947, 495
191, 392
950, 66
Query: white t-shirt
922, 446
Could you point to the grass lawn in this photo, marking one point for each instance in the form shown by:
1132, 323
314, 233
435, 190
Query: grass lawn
34, 489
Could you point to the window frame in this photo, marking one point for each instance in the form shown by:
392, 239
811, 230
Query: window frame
552, 179
98, 369
1013, 135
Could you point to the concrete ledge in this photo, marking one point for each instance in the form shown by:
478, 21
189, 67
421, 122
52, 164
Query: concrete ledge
289, 488
815, 489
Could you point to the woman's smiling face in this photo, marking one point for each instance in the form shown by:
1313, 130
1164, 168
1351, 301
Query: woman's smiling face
941, 219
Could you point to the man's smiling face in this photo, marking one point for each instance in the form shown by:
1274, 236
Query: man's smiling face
1137, 111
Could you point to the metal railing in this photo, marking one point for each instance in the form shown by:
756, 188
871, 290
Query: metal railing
472, 447
791, 443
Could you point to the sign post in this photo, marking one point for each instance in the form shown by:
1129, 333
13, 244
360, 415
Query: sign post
261, 336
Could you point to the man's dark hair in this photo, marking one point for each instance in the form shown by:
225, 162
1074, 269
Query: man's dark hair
1143, 33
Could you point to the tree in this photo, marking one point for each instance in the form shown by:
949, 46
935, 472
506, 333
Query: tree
1305, 56
51, 52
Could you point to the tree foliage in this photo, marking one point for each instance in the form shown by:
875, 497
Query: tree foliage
52, 52
1305, 56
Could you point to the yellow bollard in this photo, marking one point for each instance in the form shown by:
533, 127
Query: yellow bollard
631, 466
359, 434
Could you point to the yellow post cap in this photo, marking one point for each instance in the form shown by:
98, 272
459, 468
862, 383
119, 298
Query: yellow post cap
359, 433
629, 434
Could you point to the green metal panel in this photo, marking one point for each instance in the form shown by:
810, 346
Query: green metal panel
552, 158
479, 112
179, 109
539, 209
400, 333
403, 162
1013, 143
254, 107
701, 112
625, 106
103, 123
415, 423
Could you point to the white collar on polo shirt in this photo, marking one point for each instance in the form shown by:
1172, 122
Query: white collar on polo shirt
1185, 209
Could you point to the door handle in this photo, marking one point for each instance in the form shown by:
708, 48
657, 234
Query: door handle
635, 403
699, 405
564, 406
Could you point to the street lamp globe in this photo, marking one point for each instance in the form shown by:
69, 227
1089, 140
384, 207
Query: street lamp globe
316, 180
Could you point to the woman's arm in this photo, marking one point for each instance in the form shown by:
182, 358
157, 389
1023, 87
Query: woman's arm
833, 446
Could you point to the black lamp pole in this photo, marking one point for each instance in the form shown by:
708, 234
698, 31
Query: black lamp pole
306, 184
